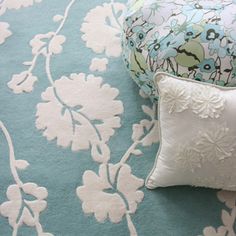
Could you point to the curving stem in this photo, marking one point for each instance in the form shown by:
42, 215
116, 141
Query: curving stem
127, 154
131, 226
48, 54
48, 71
11, 155
64, 17
17, 181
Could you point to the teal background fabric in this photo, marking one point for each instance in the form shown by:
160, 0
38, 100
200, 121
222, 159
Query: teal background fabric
58, 168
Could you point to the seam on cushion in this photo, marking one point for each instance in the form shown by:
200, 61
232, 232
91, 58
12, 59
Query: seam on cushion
160, 146
156, 80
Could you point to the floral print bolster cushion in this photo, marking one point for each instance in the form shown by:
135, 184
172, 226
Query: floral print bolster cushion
188, 38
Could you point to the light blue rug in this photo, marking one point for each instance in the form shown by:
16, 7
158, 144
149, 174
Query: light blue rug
78, 138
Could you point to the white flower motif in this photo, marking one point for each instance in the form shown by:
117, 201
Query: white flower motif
175, 97
207, 102
12, 208
147, 131
55, 44
110, 194
9, 4
216, 143
58, 18
227, 197
50, 40
18, 209
188, 158
102, 29
4, 32
98, 64
23, 82
228, 218
210, 231
80, 112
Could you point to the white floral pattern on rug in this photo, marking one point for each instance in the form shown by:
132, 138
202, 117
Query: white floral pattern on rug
80, 111
39, 42
112, 193
23, 82
45, 45
228, 216
4, 31
17, 209
11, 4
98, 64
103, 23
5, 5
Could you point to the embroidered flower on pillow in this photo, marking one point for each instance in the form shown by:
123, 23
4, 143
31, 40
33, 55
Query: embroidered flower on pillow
204, 101
176, 98
188, 158
216, 143
207, 102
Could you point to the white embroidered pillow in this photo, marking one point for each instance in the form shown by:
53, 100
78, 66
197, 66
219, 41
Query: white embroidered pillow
198, 135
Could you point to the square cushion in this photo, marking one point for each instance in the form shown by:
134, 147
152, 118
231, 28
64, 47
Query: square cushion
187, 38
197, 134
